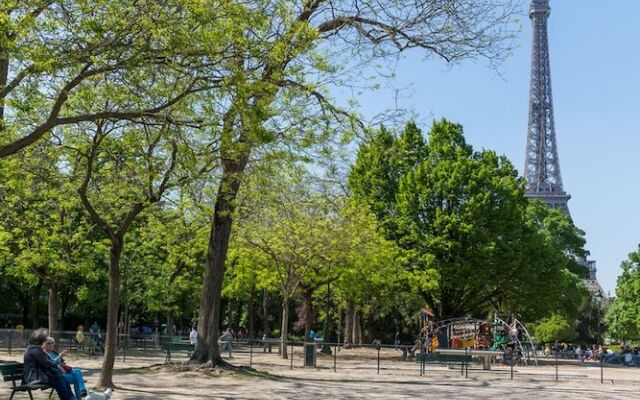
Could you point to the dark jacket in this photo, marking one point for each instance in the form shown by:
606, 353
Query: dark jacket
36, 359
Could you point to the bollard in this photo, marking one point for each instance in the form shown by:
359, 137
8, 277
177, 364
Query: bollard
335, 357
378, 360
466, 363
292, 356
10, 336
250, 353
512, 357
601, 369
124, 350
556, 365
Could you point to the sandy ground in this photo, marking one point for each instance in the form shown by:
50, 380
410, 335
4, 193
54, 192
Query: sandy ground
145, 376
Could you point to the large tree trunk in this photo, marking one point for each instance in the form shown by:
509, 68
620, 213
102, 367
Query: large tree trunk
357, 329
348, 324
284, 327
52, 309
209, 312
106, 375
265, 312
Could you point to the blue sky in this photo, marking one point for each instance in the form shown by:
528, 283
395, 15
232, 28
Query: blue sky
595, 73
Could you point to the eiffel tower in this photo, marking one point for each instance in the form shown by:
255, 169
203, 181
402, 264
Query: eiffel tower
542, 166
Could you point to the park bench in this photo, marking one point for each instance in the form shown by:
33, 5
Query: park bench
445, 358
170, 346
268, 342
13, 372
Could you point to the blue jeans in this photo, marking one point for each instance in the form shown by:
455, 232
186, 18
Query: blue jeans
75, 377
61, 386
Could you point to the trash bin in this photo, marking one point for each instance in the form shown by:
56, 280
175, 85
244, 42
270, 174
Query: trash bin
309, 354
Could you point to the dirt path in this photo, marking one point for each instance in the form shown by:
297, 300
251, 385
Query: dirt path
146, 377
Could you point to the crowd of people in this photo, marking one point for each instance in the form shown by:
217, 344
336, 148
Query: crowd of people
626, 354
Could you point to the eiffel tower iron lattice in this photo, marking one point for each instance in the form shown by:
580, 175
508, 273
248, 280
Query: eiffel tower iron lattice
542, 166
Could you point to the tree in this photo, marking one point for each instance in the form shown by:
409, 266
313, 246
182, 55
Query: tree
273, 65
624, 315
554, 328
123, 175
55, 54
50, 240
474, 243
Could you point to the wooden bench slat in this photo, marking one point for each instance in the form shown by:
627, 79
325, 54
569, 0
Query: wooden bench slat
442, 358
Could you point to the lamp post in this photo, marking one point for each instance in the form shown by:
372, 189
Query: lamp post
326, 347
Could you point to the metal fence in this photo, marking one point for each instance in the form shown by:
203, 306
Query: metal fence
326, 356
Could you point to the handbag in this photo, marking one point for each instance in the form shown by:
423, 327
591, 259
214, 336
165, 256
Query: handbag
37, 377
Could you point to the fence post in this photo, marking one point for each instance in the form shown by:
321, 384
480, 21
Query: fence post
556, 365
601, 369
335, 357
466, 363
378, 359
250, 353
291, 355
513, 356
126, 347
10, 337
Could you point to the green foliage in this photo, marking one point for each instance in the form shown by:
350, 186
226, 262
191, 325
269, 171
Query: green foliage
43, 227
624, 315
474, 243
554, 328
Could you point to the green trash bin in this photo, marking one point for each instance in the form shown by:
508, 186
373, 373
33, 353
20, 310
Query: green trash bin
309, 354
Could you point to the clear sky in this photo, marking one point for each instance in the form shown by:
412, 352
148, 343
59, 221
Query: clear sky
595, 73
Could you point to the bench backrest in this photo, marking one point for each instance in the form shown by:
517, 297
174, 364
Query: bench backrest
438, 357
178, 346
11, 371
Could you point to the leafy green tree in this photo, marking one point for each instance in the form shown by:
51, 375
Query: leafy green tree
56, 54
474, 244
170, 260
50, 240
276, 92
127, 169
624, 315
556, 327
546, 267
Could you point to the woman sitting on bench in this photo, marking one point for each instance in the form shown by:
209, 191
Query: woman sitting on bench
40, 369
71, 375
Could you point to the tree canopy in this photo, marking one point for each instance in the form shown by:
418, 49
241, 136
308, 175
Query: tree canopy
624, 315
463, 214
